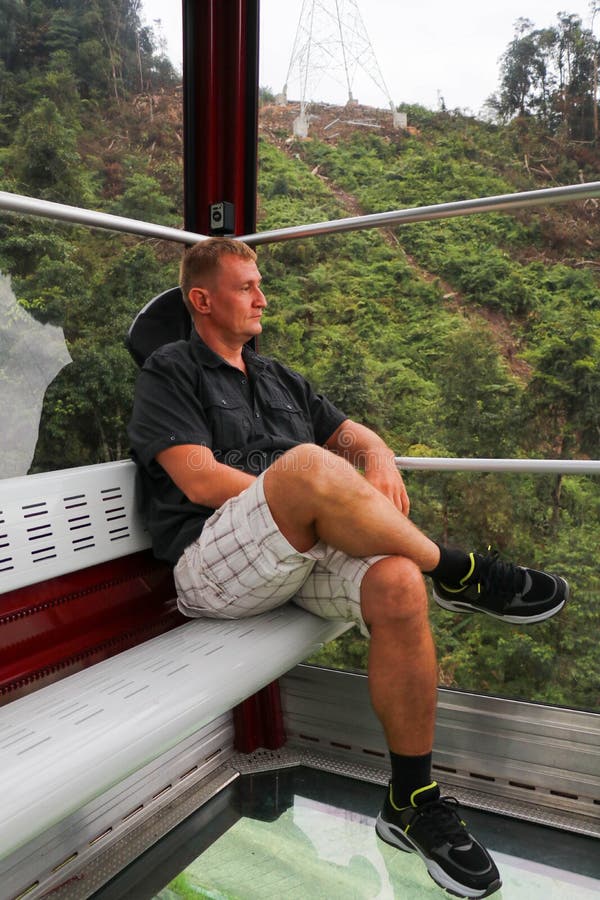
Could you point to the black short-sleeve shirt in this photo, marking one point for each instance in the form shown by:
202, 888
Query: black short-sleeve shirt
187, 394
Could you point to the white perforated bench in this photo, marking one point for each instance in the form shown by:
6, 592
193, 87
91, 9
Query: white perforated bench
79, 754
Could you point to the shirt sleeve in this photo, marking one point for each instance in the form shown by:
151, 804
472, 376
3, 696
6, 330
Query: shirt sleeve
326, 417
166, 410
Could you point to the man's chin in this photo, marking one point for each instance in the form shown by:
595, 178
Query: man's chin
252, 333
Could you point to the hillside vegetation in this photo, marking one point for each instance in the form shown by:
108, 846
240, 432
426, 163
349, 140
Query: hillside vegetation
468, 337
476, 336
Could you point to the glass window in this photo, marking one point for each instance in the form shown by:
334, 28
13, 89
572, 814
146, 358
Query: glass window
91, 117
67, 378
467, 337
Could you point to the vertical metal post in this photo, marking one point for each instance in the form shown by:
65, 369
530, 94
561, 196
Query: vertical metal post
220, 129
258, 721
220, 84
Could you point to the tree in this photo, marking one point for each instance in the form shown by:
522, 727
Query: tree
523, 71
346, 376
575, 52
552, 73
479, 399
563, 396
11, 16
45, 157
108, 48
144, 199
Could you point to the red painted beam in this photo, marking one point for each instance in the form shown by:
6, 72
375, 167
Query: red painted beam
220, 76
220, 83
65, 624
258, 721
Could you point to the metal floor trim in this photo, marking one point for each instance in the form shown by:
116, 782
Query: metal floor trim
95, 870
289, 757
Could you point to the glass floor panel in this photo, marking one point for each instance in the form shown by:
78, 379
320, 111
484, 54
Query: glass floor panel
302, 834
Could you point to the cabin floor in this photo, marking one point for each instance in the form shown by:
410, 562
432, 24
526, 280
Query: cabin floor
301, 833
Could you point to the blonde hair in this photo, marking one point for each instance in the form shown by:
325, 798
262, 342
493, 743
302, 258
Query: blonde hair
201, 262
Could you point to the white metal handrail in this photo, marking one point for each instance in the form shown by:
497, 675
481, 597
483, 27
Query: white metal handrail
60, 212
500, 203
466, 464
19, 203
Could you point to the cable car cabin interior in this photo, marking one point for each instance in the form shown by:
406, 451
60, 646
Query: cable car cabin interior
147, 755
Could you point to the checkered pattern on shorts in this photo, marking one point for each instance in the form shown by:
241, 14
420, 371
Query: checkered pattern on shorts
242, 565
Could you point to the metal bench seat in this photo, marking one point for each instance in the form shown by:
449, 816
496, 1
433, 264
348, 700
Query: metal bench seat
80, 753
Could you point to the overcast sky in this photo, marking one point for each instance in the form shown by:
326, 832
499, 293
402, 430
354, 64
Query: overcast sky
425, 49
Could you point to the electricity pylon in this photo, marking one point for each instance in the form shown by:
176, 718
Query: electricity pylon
331, 40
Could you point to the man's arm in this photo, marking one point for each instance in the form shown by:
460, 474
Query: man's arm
202, 479
366, 450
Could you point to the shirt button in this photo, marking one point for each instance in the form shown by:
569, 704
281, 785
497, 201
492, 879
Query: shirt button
257, 415
244, 381
224, 402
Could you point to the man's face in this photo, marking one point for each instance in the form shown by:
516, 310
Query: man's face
235, 300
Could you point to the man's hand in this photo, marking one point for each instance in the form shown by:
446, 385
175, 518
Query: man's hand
383, 474
366, 450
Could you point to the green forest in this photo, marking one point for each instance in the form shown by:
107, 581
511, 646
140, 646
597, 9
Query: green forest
475, 336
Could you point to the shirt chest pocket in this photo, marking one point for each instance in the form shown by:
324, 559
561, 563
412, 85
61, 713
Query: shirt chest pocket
289, 419
230, 423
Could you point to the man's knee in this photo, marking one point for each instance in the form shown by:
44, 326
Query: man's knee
393, 589
300, 459
313, 468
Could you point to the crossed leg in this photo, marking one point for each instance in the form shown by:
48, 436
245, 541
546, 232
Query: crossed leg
314, 495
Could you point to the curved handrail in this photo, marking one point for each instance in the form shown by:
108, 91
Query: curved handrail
24, 205
31, 206
466, 464
500, 203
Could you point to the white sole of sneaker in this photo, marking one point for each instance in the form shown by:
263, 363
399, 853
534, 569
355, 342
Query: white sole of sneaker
465, 607
398, 839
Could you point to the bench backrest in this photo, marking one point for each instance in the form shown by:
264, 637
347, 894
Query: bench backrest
78, 581
59, 522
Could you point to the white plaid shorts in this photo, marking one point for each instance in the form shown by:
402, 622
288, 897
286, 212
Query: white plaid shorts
242, 565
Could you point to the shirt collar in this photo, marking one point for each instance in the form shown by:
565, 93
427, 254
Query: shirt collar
207, 357
252, 358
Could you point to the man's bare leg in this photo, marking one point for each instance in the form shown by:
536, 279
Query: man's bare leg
402, 682
314, 495
325, 498
402, 661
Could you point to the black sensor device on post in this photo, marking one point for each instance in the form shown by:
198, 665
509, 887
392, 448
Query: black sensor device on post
222, 218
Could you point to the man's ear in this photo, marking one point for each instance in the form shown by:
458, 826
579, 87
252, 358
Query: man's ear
199, 300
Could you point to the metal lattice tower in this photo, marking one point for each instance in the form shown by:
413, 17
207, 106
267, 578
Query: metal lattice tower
331, 41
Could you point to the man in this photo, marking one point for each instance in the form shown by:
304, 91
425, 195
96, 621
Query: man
252, 491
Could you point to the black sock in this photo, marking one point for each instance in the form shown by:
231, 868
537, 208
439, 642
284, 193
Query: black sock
409, 773
453, 565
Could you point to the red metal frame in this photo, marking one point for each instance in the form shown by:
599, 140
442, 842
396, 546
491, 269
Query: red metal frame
64, 624
220, 78
258, 721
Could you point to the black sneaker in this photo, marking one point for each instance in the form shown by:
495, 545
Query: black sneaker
432, 828
505, 591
